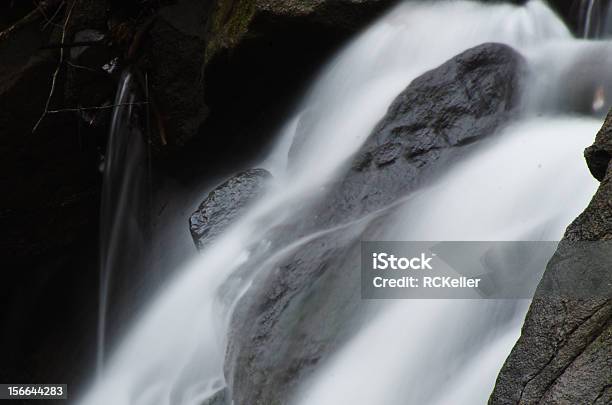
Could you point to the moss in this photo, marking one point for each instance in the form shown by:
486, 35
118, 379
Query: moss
229, 22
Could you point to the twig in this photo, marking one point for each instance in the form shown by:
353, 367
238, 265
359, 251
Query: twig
29, 18
74, 65
57, 69
73, 44
101, 107
49, 20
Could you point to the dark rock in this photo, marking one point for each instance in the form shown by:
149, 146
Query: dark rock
174, 53
564, 354
463, 100
260, 55
209, 60
88, 14
598, 155
225, 203
235, 19
296, 314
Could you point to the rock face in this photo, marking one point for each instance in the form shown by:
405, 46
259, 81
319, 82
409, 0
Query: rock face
296, 314
564, 354
225, 203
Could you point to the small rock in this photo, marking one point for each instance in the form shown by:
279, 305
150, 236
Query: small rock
225, 203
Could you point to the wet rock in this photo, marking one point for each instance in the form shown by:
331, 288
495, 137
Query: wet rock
564, 354
298, 312
598, 155
225, 203
463, 100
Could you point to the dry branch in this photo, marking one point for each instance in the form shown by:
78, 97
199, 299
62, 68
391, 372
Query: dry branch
72, 44
57, 69
101, 107
31, 17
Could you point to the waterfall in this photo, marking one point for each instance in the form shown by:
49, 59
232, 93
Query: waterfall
461, 344
590, 4
174, 353
594, 18
125, 201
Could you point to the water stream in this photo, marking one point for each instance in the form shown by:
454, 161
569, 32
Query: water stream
530, 179
126, 199
461, 344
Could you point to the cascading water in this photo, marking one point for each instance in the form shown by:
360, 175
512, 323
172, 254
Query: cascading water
125, 200
461, 344
594, 18
588, 7
509, 189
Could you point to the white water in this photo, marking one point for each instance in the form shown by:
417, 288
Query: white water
528, 184
125, 202
174, 353
595, 15
589, 18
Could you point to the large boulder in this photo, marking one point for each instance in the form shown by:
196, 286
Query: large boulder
463, 100
564, 354
224, 205
300, 310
